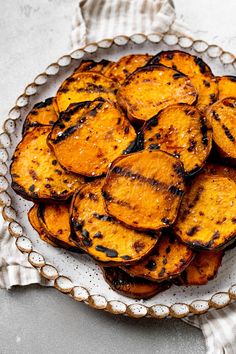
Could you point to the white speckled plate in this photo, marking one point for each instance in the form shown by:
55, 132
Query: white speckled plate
77, 274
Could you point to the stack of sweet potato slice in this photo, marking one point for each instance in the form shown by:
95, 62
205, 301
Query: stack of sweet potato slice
133, 163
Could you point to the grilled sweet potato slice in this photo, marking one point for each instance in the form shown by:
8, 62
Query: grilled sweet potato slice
90, 65
100, 235
220, 170
125, 66
84, 86
144, 190
43, 113
55, 221
207, 217
150, 89
182, 131
169, 258
34, 221
223, 119
226, 86
86, 142
203, 268
36, 174
199, 73
136, 288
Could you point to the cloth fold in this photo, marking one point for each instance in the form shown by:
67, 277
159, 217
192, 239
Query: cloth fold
95, 20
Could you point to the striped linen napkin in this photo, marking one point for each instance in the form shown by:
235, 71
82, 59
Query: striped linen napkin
95, 20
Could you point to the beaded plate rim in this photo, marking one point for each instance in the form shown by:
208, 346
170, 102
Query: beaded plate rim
24, 244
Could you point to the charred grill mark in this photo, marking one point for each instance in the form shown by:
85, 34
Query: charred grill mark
193, 230
86, 239
189, 112
169, 56
215, 236
138, 246
106, 196
93, 197
228, 133
127, 130
213, 97
69, 131
164, 261
192, 146
102, 217
111, 253
220, 222
228, 103
63, 136
154, 147
201, 64
46, 103
176, 191
165, 221
196, 198
125, 257
98, 235
215, 116
136, 176
178, 75
136, 145
168, 250
232, 78
64, 90
177, 167
32, 188
151, 265
206, 83
204, 130
152, 122
93, 88
33, 174
162, 272
78, 226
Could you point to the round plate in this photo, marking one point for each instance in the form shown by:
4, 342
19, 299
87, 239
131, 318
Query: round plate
76, 274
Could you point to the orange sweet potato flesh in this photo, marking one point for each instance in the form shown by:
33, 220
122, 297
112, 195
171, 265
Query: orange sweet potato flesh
150, 89
144, 189
84, 86
125, 66
89, 65
87, 140
223, 119
101, 236
43, 113
55, 221
36, 174
196, 69
182, 131
226, 86
136, 288
207, 217
169, 258
220, 170
34, 221
203, 268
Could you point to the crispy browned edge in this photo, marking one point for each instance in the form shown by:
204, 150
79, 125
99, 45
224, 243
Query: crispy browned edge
162, 286
52, 237
172, 276
75, 240
42, 104
181, 279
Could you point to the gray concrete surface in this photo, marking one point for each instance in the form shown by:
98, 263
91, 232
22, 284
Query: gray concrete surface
37, 321
34, 320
